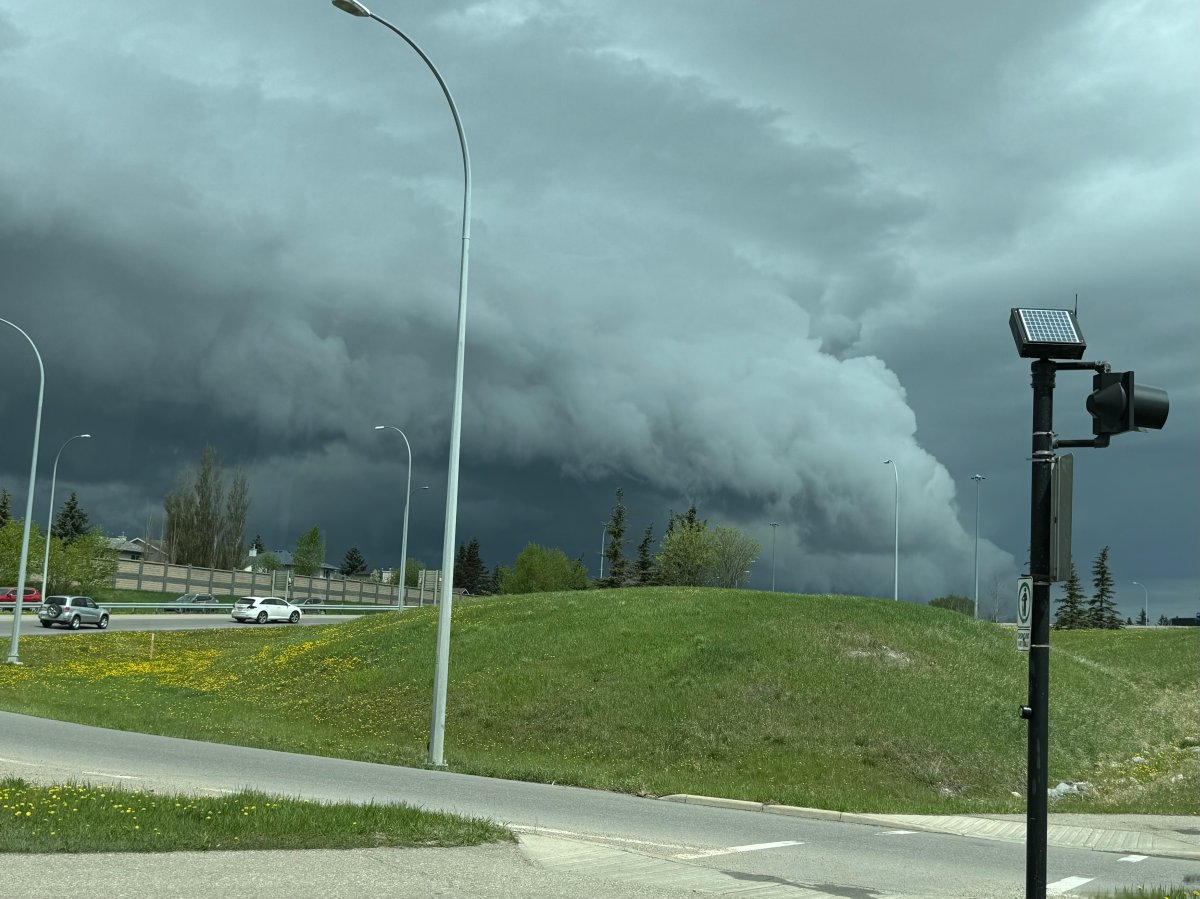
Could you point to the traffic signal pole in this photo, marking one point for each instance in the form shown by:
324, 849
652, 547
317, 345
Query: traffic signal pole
1037, 712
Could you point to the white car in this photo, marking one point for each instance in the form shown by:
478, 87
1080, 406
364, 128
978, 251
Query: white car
265, 608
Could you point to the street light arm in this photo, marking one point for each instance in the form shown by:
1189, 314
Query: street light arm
462, 135
19, 599
50, 511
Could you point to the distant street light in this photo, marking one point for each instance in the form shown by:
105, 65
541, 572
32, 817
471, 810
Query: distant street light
603, 533
978, 479
896, 565
19, 599
50, 514
1147, 606
774, 525
437, 730
404, 532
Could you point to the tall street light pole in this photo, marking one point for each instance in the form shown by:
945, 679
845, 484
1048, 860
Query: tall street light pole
774, 525
437, 730
978, 479
19, 602
896, 564
1147, 606
404, 532
50, 514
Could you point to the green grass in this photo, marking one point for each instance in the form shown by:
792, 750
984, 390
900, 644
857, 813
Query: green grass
81, 818
824, 701
1153, 892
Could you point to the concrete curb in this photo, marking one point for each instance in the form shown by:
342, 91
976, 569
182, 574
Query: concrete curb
980, 827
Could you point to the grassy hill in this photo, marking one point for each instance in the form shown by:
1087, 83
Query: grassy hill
825, 701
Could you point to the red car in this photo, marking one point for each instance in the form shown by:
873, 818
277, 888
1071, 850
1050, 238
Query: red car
32, 595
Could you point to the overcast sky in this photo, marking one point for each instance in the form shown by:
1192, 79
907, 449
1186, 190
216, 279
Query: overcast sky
735, 254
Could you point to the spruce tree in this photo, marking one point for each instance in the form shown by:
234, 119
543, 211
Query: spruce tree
353, 563
259, 548
1071, 612
5, 508
618, 565
645, 560
1102, 609
71, 522
1142, 618
473, 570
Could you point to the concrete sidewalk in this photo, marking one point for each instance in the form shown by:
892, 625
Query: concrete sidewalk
1175, 836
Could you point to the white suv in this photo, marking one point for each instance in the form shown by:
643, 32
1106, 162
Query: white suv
265, 608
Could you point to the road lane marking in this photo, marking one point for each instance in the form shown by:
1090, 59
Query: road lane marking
118, 776
893, 832
17, 762
529, 828
1133, 858
1067, 883
753, 847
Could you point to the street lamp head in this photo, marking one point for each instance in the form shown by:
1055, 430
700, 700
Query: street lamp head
978, 477
380, 427
888, 462
85, 435
352, 6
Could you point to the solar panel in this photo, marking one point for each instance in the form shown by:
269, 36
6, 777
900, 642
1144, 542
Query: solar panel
1049, 326
1047, 334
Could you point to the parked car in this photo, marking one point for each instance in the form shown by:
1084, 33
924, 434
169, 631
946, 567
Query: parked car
265, 608
192, 602
72, 612
317, 603
33, 596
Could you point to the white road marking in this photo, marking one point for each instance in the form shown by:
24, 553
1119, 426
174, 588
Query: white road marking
528, 828
893, 832
1132, 858
16, 762
753, 847
1067, 883
118, 776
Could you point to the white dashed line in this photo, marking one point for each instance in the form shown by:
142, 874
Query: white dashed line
887, 833
16, 762
1067, 883
117, 776
1132, 858
753, 847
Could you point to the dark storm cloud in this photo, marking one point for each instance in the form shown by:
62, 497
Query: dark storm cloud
731, 258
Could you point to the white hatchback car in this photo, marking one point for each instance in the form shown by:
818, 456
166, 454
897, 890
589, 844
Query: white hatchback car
265, 608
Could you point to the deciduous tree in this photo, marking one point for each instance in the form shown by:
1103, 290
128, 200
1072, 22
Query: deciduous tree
541, 570
309, 553
732, 553
206, 526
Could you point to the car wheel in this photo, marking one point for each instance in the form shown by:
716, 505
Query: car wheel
294, 617
262, 618
103, 623
75, 622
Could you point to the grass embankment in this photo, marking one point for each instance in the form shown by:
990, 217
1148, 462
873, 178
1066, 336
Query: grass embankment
80, 818
823, 701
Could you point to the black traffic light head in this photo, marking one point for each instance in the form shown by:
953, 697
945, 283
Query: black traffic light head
1118, 405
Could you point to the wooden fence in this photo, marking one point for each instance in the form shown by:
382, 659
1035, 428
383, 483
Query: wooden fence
142, 575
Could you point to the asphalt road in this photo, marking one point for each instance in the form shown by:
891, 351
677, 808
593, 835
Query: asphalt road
165, 621
684, 841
